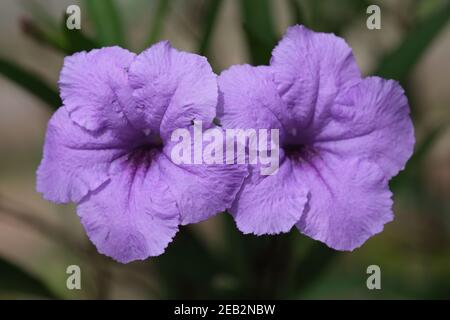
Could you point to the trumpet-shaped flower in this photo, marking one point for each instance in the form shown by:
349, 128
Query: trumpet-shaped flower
108, 148
342, 138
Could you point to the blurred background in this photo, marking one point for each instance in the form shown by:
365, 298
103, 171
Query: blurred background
39, 240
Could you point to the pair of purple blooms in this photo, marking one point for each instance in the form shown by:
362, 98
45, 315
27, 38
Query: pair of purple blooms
342, 138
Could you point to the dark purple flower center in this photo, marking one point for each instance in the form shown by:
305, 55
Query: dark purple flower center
146, 150
298, 151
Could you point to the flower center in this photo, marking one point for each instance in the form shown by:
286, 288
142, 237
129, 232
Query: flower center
298, 151
145, 151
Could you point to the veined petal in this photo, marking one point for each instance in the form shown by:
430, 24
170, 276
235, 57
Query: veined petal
133, 217
310, 69
202, 190
270, 204
91, 85
371, 120
349, 200
266, 204
249, 100
171, 88
76, 161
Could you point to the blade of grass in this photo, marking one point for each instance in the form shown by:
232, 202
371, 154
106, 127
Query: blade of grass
297, 12
399, 63
427, 143
65, 40
311, 266
40, 13
41, 36
410, 176
258, 29
15, 280
75, 39
208, 26
262, 264
30, 82
161, 11
187, 268
106, 18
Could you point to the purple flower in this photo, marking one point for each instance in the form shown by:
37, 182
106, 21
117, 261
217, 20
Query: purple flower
342, 138
108, 148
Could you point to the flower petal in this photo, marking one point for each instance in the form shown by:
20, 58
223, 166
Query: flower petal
134, 216
76, 161
270, 204
349, 200
371, 120
310, 68
171, 89
266, 204
249, 100
202, 190
91, 84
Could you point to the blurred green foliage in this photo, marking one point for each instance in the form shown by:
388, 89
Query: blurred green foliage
108, 25
15, 280
160, 14
258, 27
285, 266
399, 63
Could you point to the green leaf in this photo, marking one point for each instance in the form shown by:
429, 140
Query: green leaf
297, 12
270, 260
311, 266
425, 146
75, 40
187, 268
399, 63
259, 29
261, 264
47, 23
208, 26
411, 174
105, 16
162, 9
329, 15
43, 36
40, 13
30, 82
64, 40
15, 280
